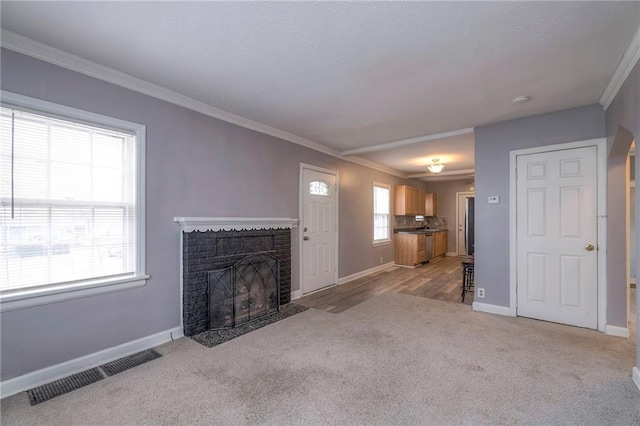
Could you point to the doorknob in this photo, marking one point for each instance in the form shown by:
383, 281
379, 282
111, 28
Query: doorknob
306, 238
589, 247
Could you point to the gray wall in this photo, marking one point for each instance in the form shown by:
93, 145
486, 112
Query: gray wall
447, 201
196, 166
492, 146
624, 112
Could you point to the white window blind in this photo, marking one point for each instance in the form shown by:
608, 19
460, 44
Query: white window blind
381, 213
67, 201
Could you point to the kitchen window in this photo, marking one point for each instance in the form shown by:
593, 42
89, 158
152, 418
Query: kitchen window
71, 203
381, 214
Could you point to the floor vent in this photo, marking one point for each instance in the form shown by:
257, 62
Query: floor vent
122, 364
60, 387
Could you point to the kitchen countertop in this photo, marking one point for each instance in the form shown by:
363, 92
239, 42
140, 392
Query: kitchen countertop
417, 230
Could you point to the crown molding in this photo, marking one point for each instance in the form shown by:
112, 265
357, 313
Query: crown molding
444, 173
26, 46
376, 166
411, 141
628, 61
46, 53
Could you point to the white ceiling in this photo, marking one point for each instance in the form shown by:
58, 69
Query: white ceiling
353, 74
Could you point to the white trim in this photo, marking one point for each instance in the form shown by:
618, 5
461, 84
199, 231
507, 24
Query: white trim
364, 273
43, 52
635, 375
295, 295
202, 224
451, 254
381, 243
411, 141
41, 295
301, 190
601, 147
376, 166
458, 194
492, 309
62, 370
180, 301
628, 61
627, 213
11, 300
444, 173
613, 330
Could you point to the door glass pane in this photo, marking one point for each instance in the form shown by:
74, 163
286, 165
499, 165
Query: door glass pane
319, 188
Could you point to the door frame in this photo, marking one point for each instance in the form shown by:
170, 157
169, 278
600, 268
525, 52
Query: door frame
601, 159
301, 194
458, 194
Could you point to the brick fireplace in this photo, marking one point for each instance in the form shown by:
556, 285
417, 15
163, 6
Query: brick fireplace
213, 244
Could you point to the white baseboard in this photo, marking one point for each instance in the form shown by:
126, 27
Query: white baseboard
635, 375
364, 273
296, 294
616, 331
59, 371
452, 254
492, 309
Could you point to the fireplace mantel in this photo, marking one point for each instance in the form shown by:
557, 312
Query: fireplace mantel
203, 224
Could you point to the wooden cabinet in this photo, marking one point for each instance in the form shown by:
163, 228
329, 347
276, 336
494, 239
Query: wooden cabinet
409, 201
431, 204
409, 249
421, 202
440, 243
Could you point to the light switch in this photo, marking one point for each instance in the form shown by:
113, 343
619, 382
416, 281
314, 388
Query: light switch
494, 199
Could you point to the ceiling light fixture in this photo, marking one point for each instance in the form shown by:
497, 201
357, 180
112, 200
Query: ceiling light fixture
436, 167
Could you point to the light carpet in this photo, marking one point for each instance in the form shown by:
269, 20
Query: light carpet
395, 359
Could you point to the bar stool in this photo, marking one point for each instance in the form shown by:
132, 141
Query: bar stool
467, 277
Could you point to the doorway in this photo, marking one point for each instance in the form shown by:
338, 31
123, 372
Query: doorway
319, 228
464, 225
557, 221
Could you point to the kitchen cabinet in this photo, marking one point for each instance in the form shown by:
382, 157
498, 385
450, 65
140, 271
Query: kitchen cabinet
431, 204
409, 249
409, 201
421, 202
440, 243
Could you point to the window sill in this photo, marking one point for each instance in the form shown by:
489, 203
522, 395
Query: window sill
381, 243
11, 300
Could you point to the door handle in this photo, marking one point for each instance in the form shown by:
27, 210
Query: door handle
589, 247
305, 238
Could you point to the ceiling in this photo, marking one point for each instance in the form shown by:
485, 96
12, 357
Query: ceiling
352, 75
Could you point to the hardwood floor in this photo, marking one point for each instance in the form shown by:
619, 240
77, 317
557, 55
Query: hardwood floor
439, 279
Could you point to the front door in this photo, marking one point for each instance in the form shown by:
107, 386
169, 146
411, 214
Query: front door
556, 213
318, 230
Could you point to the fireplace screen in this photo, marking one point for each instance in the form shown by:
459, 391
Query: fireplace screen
244, 292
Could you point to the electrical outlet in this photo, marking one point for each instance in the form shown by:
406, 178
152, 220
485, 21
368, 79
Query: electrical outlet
381, 260
481, 293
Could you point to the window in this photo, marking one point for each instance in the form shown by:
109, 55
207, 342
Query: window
71, 202
319, 188
381, 213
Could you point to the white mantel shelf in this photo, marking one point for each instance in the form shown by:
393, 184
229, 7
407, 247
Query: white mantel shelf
189, 224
